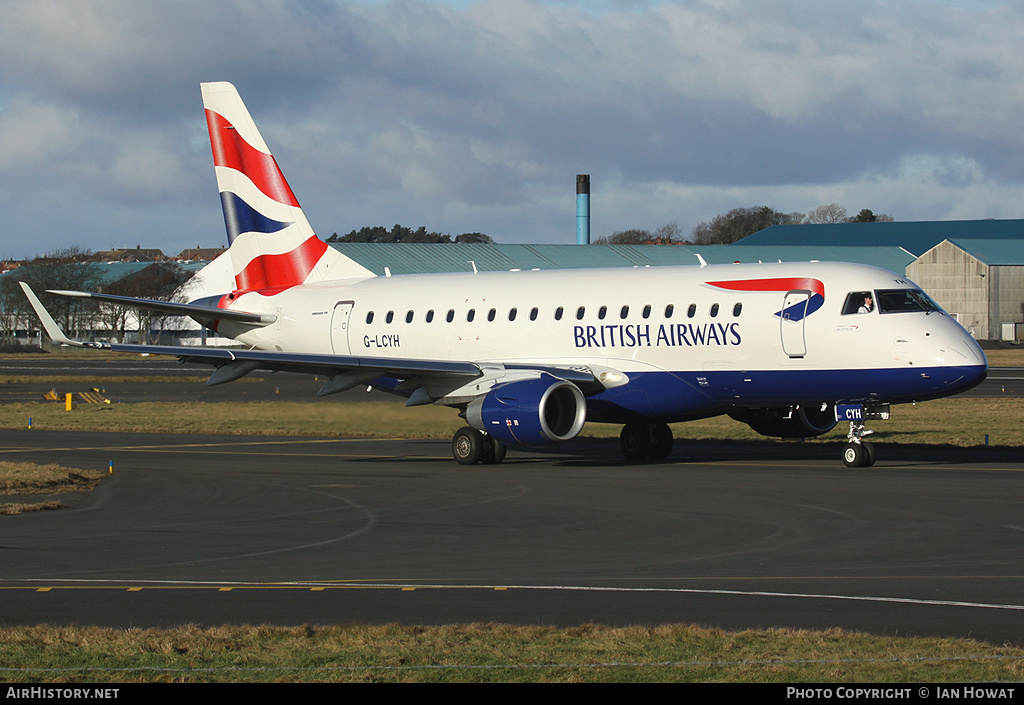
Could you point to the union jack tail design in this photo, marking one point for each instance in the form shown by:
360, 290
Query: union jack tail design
272, 245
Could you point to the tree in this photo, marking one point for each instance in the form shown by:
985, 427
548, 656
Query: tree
475, 238
738, 223
830, 213
626, 237
866, 216
161, 281
668, 234
400, 233
61, 269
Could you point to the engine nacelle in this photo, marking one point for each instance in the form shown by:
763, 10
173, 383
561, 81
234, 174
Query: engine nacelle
530, 412
789, 421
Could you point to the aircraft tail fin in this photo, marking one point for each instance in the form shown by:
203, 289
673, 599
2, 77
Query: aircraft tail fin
272, 245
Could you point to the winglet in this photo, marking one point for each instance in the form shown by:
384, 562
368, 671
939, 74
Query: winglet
50, 325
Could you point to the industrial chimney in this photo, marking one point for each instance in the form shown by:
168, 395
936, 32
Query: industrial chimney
583, 209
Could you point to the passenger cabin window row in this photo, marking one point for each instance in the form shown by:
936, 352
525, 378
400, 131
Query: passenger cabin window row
559, 312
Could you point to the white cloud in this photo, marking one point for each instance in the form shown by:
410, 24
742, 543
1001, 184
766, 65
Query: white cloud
478, 115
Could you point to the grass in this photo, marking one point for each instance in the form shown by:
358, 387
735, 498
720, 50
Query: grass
30, 480
493, 653
1011, 357
928, 422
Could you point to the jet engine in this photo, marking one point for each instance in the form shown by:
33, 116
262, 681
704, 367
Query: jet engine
530, 412
789, 421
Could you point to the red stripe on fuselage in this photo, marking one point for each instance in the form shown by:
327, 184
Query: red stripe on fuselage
233, 152
281, 271
815, 286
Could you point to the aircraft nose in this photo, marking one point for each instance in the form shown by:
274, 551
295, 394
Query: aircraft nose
964, 344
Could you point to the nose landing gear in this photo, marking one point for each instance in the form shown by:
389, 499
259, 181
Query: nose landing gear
858, 453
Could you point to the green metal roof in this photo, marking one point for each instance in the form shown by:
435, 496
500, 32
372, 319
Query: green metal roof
994, 252
917, 237
417, 258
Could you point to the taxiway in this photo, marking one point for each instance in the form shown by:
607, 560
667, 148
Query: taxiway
216, 529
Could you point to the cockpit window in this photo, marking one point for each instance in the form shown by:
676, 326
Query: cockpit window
904, 300
859, 302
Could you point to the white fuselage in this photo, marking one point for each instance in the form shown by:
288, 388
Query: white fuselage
695, 337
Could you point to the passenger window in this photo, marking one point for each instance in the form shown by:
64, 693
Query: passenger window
558, 313
647, 311
858, 302
602, 312
470, 315
580, 312
390, 317
736, 310
533, 313
714, 310
451, 315
624, 312
491, 314
430, 316
669, 310
408, 317
512, 314
692, 311
369, 318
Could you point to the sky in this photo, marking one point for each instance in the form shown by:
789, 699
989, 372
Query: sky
476, 116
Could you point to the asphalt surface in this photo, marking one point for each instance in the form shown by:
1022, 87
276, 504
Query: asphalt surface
210, 530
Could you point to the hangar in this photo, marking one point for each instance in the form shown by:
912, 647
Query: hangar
981, 282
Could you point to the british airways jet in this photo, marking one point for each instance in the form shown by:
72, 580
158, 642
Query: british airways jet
526, 357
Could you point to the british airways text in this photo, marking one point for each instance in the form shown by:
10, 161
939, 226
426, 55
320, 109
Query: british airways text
665, 335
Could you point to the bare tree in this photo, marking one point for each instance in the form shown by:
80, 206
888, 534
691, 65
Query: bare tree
829, 213
62, 269
161, 281
626, 237
668, 234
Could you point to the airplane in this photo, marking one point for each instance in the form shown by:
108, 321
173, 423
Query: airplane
527, 357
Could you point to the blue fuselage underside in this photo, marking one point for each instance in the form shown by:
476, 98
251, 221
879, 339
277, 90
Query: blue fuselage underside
678, 396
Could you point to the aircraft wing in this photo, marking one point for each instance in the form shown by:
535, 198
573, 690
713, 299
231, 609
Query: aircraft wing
232, 364
422, 381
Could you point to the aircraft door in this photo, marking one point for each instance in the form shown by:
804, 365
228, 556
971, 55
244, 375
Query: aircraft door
792, 317
339, 327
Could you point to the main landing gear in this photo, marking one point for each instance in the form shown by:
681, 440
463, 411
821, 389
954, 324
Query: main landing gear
858, 453
646, 440
470, 446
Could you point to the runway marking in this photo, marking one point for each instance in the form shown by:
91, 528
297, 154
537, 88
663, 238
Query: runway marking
310, 586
